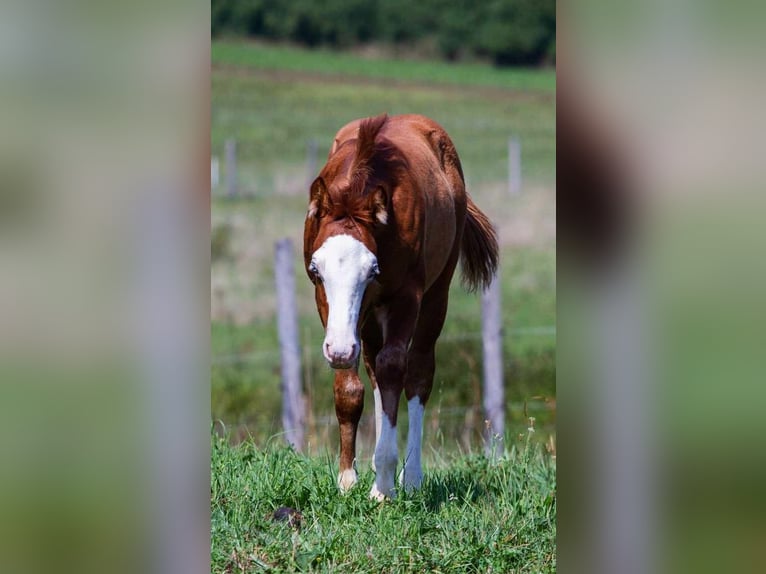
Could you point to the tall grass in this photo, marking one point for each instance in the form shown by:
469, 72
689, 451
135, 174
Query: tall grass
473, 514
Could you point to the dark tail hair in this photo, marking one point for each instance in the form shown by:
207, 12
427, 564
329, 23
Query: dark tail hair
479, 250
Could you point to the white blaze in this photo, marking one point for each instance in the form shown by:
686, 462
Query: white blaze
345, 267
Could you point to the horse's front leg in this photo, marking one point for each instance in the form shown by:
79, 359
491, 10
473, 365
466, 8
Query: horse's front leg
349, 402
398, 323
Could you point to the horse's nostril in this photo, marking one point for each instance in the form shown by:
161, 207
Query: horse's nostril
342, 354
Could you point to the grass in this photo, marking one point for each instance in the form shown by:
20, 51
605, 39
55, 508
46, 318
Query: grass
471, 515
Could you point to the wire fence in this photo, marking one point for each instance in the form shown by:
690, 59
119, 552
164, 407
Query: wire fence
230, 186
482, 416
446, 430
268, 354
462, 424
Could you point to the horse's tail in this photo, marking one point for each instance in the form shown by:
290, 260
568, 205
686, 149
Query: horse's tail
479, 250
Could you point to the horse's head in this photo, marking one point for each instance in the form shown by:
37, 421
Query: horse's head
342, 267
341, 260
348, 208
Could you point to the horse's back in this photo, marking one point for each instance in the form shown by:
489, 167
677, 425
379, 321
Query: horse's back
438, 177
434, 182
420, 138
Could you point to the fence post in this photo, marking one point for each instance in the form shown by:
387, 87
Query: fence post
514, 165
293, 411
311, 161
231, 168
492, 343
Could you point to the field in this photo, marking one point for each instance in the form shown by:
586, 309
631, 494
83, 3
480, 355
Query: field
472, 515
273, 101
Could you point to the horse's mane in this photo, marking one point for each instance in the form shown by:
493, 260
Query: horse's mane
376, 161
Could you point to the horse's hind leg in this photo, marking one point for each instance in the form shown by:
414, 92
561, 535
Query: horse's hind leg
421, 365
417, 390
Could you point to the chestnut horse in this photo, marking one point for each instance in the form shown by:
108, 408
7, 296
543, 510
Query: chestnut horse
388, 219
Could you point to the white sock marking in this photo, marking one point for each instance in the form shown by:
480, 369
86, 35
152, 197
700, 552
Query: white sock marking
412, 473
378, 418
385, 462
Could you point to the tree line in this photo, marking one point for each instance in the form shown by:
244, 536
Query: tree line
508, 32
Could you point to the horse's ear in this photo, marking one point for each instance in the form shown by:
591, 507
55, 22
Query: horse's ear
379, 205
317, 198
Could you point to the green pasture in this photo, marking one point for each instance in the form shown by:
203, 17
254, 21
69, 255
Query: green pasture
472, 514
282, 58
273, 101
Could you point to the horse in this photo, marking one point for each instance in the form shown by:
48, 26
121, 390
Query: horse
388, 220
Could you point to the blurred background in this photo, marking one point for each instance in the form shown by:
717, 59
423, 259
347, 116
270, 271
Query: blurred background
105, 414
661, 275
285, 77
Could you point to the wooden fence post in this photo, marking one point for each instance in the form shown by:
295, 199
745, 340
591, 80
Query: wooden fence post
231, 168
514, 165
293, 409
492, 342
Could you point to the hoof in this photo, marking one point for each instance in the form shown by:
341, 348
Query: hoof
346, 480
376, 494
410, 480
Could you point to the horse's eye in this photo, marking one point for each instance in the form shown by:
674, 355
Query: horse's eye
374, 271
314, 271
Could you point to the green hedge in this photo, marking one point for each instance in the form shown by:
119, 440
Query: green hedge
509, 32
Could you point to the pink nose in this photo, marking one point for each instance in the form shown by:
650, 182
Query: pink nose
340, 356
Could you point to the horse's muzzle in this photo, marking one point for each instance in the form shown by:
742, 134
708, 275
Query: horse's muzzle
341, 356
